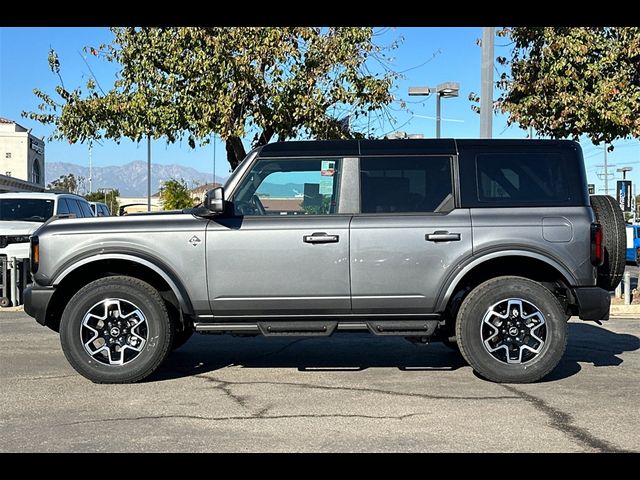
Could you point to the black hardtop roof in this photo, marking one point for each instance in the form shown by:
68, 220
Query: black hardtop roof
307, 148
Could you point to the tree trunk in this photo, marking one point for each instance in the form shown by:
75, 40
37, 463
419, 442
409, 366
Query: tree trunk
235, 151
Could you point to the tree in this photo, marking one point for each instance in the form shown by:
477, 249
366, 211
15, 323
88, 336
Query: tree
67, 183
567, 82
175, 195
262, 83
110, 198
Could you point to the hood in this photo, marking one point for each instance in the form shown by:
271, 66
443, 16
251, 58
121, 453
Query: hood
8, 227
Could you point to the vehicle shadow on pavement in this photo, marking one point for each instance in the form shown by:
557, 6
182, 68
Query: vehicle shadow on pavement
340, 352
592, 344
355, 352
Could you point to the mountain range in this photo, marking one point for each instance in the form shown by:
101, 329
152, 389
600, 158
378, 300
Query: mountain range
131, 178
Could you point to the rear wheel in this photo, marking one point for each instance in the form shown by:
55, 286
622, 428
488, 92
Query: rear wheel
512, 330
116, 330
610, 216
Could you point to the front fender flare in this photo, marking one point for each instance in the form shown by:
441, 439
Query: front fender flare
175, 285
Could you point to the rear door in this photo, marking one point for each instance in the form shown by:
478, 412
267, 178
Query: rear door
408, 236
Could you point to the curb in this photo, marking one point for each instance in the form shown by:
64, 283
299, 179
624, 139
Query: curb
19, 308
625, 310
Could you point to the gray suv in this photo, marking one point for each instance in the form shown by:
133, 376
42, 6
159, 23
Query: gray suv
487, 245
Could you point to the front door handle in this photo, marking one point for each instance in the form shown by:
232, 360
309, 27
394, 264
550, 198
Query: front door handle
320, 237
442, 236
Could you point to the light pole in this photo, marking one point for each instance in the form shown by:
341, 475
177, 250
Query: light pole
624, 171
446, 90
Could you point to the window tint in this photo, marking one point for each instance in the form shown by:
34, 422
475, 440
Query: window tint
73, 207
63, 208
404, 184
86, 209
522, 178
26, 209
281, 186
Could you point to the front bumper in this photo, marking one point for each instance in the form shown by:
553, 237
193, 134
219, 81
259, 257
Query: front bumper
36, 301
593, 303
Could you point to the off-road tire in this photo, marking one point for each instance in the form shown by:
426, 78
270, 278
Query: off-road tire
469, 322
147, 300
610, 216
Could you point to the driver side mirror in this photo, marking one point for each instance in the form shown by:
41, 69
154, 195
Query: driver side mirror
214, 200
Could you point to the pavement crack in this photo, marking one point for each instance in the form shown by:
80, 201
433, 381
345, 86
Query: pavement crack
359, 389
564, 423
225, 387
46, 377
246, 417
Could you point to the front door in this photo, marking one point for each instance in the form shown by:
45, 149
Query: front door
408, 237
285, 250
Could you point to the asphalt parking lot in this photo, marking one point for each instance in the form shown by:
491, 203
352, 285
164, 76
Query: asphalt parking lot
345, 393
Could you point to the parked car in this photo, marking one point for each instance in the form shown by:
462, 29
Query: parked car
22, 213
633, 243
100, 209
487, 245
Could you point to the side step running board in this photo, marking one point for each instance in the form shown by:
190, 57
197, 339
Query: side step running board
403, 327
298, 328
321, 328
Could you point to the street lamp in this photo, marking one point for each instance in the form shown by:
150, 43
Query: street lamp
624, 171
446, 90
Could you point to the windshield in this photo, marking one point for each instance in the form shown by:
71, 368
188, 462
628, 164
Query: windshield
26, 209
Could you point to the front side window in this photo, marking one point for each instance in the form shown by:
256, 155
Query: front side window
289, 186
404, 184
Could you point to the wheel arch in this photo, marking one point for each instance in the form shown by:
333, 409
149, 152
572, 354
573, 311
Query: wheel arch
91, 268
522, 263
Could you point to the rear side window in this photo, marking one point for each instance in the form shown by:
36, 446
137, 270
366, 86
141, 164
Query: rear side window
404, 184
86, 209
522, 179
63, 208
73, 207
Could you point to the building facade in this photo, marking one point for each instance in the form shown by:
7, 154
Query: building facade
21, 156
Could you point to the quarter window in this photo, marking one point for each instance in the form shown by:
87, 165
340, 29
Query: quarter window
522, 178
287, 186
404, 184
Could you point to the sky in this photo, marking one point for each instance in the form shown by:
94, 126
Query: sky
426, 56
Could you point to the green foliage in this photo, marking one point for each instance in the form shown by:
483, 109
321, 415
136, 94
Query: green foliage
175, 195
67, 183
322, 209
263, 83
109, 198
567, 82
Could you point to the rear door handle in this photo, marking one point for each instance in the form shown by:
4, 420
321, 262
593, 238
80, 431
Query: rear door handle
442, 236
320, 237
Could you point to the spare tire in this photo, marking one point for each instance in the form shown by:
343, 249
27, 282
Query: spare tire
609, 215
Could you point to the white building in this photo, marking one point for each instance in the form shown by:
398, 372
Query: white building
21, 158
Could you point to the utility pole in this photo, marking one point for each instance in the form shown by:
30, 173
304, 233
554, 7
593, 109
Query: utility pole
486, 82
148, 173
90, 170
606, 171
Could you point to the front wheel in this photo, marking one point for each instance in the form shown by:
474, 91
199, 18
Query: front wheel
116, 330
511, 330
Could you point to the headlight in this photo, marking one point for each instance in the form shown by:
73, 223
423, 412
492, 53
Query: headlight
7, 239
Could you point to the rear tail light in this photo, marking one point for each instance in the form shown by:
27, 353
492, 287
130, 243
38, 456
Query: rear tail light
34, 254
597, 244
